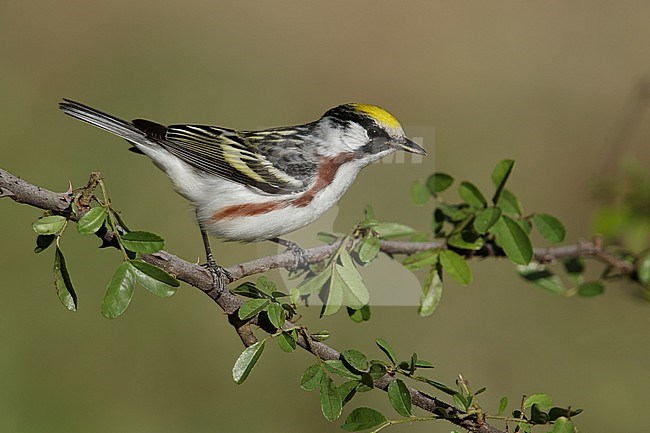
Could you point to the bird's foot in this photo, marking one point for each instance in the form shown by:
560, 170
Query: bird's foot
299, 255
220, 275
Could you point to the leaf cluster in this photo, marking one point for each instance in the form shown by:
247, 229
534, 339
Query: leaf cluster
133, 244
537, 410
278, 307
471, 225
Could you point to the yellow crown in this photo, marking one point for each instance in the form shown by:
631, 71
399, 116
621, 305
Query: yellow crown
382, 116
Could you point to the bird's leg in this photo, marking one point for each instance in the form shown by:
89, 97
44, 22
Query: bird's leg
299, 255
219, 274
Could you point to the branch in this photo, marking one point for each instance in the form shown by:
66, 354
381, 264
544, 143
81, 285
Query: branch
195, 275
26, 193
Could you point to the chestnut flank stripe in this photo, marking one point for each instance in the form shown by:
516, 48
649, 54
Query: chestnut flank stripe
326, 173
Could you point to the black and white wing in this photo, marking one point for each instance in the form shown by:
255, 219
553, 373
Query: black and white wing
273, 164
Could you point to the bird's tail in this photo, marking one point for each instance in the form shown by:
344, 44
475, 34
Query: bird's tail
109, 123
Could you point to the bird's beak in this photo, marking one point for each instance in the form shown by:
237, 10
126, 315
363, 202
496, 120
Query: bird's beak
409, 146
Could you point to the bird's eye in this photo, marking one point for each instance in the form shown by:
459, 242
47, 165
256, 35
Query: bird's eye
374, 132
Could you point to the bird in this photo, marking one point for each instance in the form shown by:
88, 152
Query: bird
255, 185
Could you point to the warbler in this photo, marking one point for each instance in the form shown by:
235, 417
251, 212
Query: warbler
258, 185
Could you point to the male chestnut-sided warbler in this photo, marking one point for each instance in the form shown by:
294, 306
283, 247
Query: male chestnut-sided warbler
258, 185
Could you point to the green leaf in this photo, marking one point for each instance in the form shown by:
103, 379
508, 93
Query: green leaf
49, 225
538, 416
294, 295
266, 286
591, 288
575, 268
311, 377
369, 248
43, 242
330, 401
142, 242
421, 363
466, 240
337, 367
154, 279
509, 203
437, 221
503, 403
316, 283
119, 291
252, 307
419, 193
286, 342
400, 397
356, 360
289, 310
541, 400
541, 277
438, 182
413, 362
363, 418
360, 315
377, 370
387, 349
421, 259
500, 176
471, 194
455, 212
431, 293
366, 383
333, 295
388, 230
276, 315
549, 227
155, 272
558, 412
486, 218
356, 293
526, 226
92, 221
514, 241
456, 266
643, 270
347, 390
246, 361
563, 425
249, 290
62, 282
461, 401
120, 221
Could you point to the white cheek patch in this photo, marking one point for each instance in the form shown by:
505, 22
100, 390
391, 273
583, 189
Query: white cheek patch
332, 139
355, 137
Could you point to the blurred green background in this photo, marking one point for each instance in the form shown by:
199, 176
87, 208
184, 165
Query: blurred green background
553, 85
